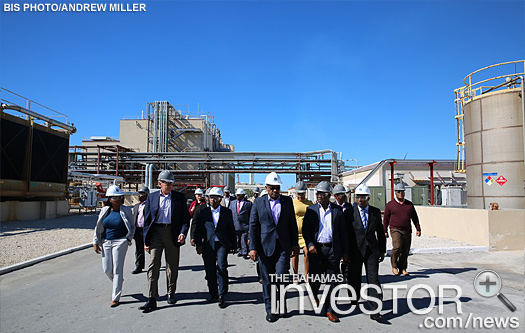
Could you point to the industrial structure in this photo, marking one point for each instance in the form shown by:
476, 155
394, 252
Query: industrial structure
490, 113
34, 150
190, 145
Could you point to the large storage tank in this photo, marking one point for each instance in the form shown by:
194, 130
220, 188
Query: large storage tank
493, 111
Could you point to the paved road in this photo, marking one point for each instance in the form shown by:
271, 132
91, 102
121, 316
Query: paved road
71, 294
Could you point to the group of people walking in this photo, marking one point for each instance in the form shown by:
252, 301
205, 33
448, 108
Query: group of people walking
337, 238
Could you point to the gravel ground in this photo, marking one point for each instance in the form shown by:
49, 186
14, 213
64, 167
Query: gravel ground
25, 240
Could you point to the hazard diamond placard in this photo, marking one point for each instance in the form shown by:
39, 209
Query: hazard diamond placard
501, 180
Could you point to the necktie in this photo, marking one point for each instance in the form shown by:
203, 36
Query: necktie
238, 207
363, 218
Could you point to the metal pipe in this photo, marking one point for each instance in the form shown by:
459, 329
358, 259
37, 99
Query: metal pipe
70, 129
392, 179
98, 159
116, 164
523, 114
431, 165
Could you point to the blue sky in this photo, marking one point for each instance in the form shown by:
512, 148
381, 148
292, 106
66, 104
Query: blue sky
370, 79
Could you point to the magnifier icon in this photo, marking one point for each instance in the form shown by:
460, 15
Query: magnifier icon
488, 284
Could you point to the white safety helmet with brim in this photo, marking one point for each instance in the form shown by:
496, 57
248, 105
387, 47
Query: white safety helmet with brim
166, 176
114, 191
273, 179
362, 190
216, 191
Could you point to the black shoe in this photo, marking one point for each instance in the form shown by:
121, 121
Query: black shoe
137, 271
271, 318
376, 316
239, 254
171, 299
150, 305
246, 257
213, 299
222, 303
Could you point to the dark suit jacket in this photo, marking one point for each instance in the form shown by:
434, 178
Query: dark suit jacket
264, 232
241, 220
196, 213
375, 234
180, 216
339, 229
205, 231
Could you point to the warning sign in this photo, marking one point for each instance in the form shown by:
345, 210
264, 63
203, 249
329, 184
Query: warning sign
489, 180
501, 180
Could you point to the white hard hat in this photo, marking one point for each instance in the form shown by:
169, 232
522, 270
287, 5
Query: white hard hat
264, 192
216, 191
166, 176
199, 191
273, 179
114, 191
240, 191
363, 190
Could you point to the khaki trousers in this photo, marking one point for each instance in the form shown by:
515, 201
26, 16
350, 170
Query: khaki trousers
401, 240
161, 240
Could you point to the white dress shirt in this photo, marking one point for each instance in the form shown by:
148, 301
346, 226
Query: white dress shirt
325, 225
215, 213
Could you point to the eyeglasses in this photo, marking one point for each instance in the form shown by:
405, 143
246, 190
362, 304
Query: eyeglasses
399, 191
274, 188
166, 183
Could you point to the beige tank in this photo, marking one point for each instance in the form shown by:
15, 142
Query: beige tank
494, 140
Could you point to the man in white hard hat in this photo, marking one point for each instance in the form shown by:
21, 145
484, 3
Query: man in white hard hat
256, 192
196, 213
165, 227
199, 200
214, 239
225, 202
273, 237
398, 213
326, 236
241, 209
138, 213
367, 247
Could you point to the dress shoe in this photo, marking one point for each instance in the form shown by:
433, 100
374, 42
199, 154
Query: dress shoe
222, 303
150, 305
114, 304
376, 316
395, 271
271, 318
332, 317
137, 271
171, 299
239, 254
213, 299
246, 257
404, 272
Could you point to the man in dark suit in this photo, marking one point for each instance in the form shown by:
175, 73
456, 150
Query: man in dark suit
273, 236
225, 202
196, 213
214, 238
138, 213
241, 209
326, 236
339, 193
367, 247
165, 228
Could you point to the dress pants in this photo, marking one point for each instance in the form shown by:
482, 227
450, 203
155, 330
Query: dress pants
113, 255
279, 264
139, 248
371, 263
216, 267
401, 241
323, 263
242, 241
161, 240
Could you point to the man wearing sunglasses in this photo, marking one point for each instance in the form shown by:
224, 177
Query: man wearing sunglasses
273, 237
398, 213
166, 224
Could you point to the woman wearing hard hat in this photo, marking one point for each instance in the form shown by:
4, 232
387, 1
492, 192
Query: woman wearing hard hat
300, 203
113, 234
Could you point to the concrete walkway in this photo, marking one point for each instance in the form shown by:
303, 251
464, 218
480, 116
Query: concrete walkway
70, 293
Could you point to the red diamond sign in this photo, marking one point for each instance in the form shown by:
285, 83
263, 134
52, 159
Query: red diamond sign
501, 180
